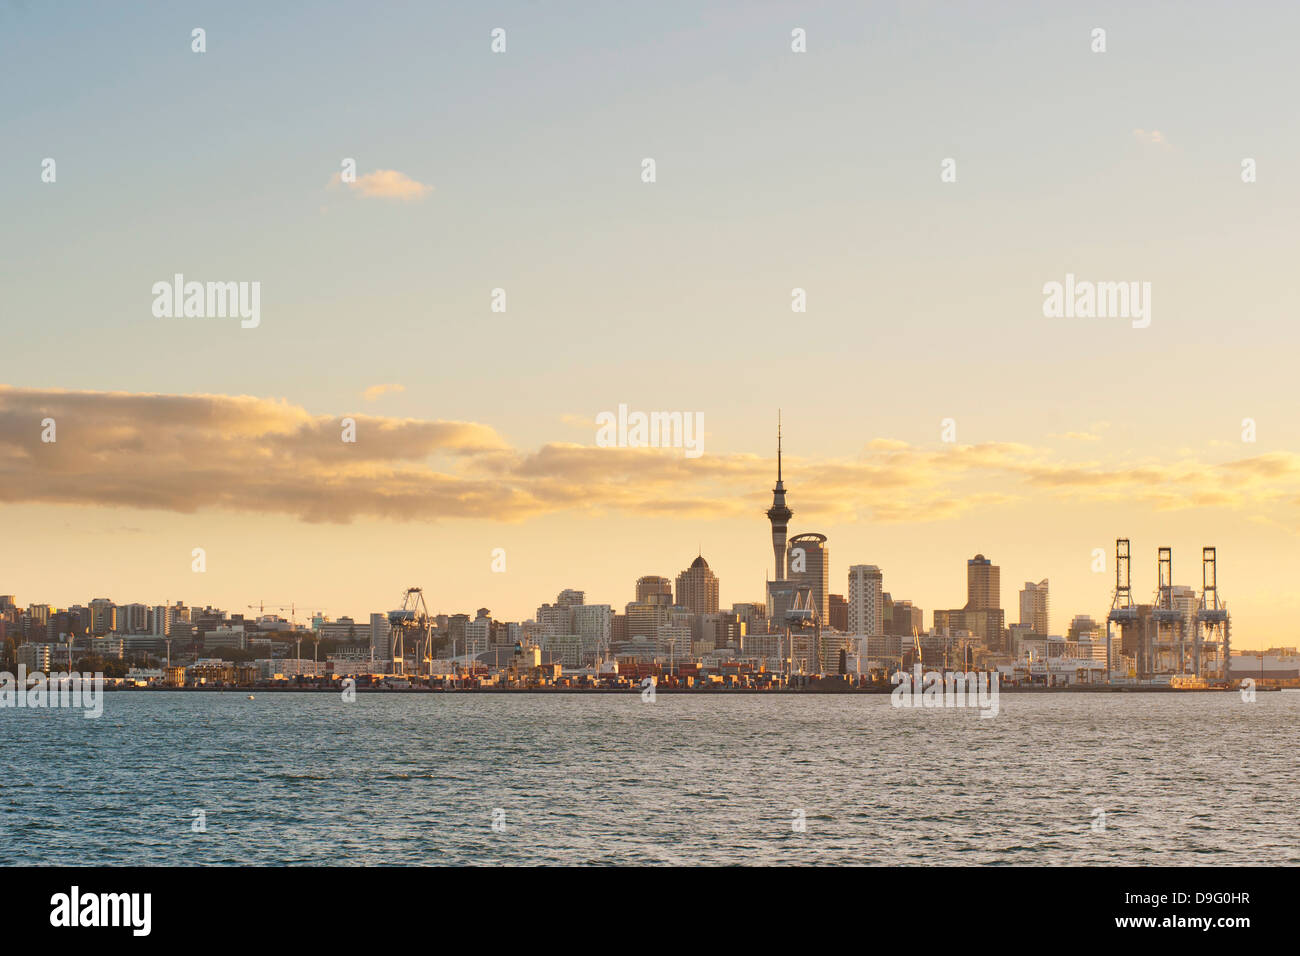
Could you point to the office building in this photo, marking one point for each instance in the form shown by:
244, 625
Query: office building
1034, 607
697, 588
866, 601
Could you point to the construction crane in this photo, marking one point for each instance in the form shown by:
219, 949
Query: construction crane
291, 607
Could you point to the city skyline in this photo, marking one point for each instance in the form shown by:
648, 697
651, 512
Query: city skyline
716, 433
475, 428
702, 588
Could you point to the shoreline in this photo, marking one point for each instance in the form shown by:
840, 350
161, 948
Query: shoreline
749, 691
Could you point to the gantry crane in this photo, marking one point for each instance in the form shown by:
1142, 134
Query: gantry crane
411, 622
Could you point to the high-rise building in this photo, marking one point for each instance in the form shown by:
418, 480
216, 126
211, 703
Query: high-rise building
644, 620
379, 638
905, 619
809, 565
592, 624
555, 619
570, 597
103, 616
1017, 634
1034, 607
1083, 627
176, 615
675, 642
838, 612
478, 633
865, 601
697, 588
983, 584
779, 515
728, 631
1184, 599
36, 656
133, 618
982, 615
752, 615
456, 625
652, 589
780, 598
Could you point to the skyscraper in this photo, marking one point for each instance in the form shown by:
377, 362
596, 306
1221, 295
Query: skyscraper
865, 601
379, 637
753, 616
982, 615
642, 620
780, 597
591, 624
697, 588
570, 597
838, 612
983, 585
904, 619
555, 619
779, 514
652, 589
1034, 606
809, 564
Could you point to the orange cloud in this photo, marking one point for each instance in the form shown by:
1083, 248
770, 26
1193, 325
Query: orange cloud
385, 184
186, 453
376, 391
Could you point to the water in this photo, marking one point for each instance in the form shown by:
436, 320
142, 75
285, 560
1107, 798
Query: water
406, 779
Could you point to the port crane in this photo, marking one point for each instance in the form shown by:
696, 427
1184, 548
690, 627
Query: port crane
1212, 615
411, 622
1122, 609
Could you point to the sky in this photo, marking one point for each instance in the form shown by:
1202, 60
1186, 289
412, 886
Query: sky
522, 171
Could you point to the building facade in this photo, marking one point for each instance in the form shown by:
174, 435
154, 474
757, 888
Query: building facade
866, 600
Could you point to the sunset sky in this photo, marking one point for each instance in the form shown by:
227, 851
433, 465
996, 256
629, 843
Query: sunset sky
522, 171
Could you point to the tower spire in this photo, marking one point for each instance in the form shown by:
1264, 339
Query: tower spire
779, 514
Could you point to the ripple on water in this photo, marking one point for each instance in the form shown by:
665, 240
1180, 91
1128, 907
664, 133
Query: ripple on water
607, 779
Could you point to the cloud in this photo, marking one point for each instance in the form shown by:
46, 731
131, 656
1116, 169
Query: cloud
187, 453
385, 184
375, 391
1151, 138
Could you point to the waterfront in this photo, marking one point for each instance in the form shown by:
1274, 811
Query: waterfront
411, 779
